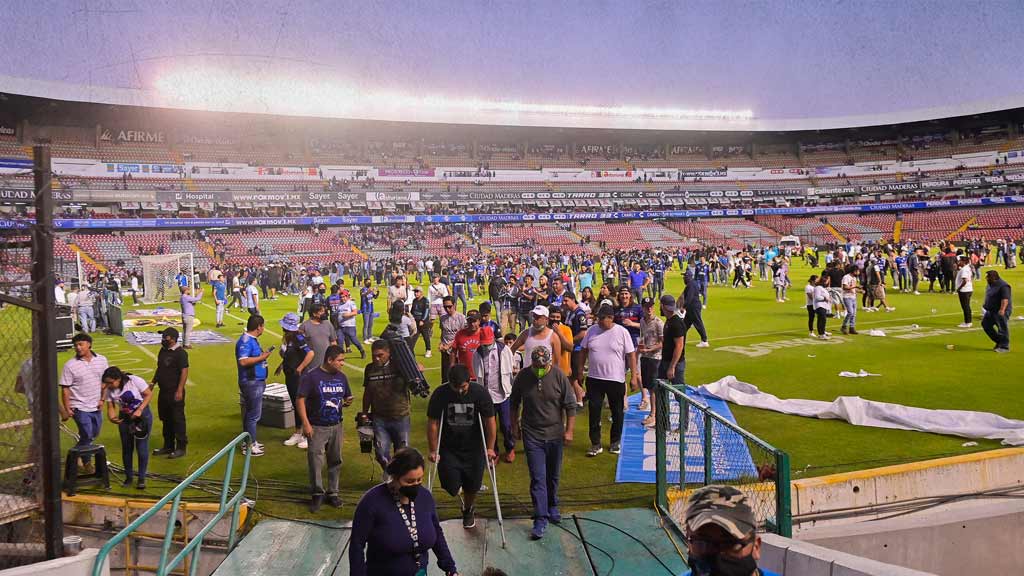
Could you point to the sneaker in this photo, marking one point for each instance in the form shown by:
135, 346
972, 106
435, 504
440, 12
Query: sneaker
916, 293
594, 451
843, 330
257, 450
828, 333
554, 515
427, 355
333, 501
964, 325
704, 307
539, 525
127, 483
304, 443
1002, 350
645, 406
615, 448
294, 439
315, 503
176, 454
468, 518
824, 337
141, 485
703, 344
162, 451
890, 309
812, 335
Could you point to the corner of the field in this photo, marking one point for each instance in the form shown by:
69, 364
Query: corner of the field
963, 474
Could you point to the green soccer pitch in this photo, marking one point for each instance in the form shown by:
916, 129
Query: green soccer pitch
919, 369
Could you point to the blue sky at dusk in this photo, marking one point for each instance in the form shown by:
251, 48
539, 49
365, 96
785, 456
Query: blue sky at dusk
779, 59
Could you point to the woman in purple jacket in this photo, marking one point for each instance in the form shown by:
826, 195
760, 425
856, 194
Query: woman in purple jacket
396, 524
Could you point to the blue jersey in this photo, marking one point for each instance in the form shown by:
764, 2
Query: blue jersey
220, 290
366, 296
249, 347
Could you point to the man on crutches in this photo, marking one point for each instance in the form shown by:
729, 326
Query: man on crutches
461, 453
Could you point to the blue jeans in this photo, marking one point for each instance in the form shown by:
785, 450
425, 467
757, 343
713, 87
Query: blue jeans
130, 444
679, 378
460, 296
544, 459
347, 335
88, 429
252, 404
851, 312
388, 434
503, 411
368, 324
702, 288
87, 318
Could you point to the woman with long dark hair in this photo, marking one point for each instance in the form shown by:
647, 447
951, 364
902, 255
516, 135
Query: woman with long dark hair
128, 398
295, 357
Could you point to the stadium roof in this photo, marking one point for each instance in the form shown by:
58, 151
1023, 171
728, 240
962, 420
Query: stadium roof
497, 114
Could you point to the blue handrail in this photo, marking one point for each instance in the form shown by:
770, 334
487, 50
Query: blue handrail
193, 546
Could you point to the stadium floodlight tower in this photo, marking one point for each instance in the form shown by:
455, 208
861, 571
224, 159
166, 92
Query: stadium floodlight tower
160, 276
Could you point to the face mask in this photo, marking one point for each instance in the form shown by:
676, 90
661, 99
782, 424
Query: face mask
720, 565
540, 372
409, 492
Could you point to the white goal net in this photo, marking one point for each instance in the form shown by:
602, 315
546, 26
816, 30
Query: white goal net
162, 276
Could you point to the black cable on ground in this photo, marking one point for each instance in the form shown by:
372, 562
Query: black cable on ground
635, 539
594, 546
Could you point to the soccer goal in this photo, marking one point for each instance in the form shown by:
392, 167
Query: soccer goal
162, 275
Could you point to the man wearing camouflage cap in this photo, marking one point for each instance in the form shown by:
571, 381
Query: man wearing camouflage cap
546, 424
721, 534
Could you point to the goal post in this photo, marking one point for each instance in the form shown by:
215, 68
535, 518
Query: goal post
160, 276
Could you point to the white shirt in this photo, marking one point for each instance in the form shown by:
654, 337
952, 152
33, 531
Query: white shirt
59, 296
606, 352
809, 294
822, 298
129, 396
849, 286
84, 382
965, 279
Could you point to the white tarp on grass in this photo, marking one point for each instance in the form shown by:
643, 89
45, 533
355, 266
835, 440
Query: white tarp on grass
861, 412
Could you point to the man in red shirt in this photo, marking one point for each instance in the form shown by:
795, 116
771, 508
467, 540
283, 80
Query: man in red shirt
467, 341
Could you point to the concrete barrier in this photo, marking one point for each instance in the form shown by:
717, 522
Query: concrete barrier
795, 558
964, 474
80, 565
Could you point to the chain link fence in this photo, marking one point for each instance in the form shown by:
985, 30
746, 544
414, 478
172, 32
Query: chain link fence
21, 522
696, 446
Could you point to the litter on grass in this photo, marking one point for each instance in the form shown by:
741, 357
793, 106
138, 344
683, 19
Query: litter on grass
876, 332
861, 374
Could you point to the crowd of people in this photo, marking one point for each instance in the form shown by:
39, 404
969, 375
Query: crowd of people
557, 333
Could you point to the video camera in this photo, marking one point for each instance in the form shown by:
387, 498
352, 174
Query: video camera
364, 428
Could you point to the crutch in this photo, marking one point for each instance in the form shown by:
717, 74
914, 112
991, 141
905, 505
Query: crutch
494, 480
433, 471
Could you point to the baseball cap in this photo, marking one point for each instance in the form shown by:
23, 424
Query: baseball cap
723, 506
417, 289
668, 302
540, 311
541, 354
473, 315
290, 322
624, 288
487, 336
647, 302
171, 332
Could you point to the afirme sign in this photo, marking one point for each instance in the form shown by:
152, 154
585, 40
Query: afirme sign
109, 135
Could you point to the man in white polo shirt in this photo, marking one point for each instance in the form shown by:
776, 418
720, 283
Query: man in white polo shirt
82, 392
608, 346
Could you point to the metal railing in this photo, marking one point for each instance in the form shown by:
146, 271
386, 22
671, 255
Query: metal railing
709, 449
192, 548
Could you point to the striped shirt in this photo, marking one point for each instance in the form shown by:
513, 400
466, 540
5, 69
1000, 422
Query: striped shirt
84, 382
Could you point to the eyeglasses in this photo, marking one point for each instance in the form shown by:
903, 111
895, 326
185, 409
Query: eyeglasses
704, 547
449, 306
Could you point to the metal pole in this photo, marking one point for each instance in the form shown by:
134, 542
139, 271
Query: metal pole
433, 472
708, 430
661, 424
783, 502
45, 352
494, 481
